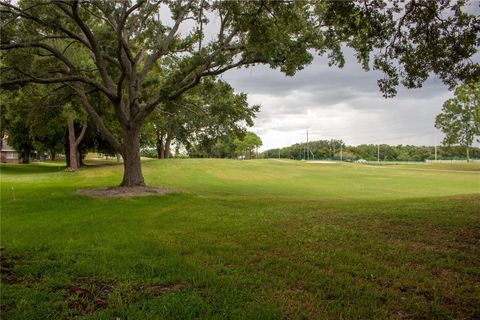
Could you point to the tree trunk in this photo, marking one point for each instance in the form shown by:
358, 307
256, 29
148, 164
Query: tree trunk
67, 149
161, 150
72, 147
25, 156
52, 155
468, 154
168, 142
132, 175
160, 147
73, 142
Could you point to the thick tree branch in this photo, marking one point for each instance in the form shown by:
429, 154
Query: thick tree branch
97, 119
31, 78
194, 75
59, 55
195, 79
190, 82
124, 51
96, 50
152, 59
81, 135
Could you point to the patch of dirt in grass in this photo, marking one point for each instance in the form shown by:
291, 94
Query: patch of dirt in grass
459, 294
450, 291
466, 240
86, 296
7, 263
6, 307
110, 192
161, 289
400, 315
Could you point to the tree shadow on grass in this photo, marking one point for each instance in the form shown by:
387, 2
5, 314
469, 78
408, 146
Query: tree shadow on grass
34, 168
48, 167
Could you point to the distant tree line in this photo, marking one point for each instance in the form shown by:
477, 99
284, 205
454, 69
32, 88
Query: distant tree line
337, 149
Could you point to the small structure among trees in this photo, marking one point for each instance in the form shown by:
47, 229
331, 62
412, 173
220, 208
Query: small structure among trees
7, 153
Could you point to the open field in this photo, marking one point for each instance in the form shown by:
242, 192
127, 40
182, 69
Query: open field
258, 239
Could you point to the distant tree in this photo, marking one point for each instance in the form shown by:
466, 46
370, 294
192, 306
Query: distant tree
19, 138
247, 145
224, 147
388, 153
335, 146
28, 124
205, 116
47, 130
460, 117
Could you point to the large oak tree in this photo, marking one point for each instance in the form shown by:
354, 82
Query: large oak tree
124, 49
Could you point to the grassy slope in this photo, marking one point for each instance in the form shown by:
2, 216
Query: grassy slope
252, 239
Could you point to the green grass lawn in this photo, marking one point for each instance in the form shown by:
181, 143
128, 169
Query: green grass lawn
259, 239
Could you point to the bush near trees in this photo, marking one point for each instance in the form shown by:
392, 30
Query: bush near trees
139, 62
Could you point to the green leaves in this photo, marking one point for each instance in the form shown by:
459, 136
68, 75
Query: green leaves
460, 117
246, 145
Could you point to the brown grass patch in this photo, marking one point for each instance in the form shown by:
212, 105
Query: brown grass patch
109, 192
87, 296
7, 264
161, 289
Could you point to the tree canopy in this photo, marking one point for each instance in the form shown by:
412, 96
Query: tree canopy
141, 55
210, 112
247, 145
460, 117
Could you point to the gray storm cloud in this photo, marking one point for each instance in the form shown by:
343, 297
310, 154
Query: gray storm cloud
343, 103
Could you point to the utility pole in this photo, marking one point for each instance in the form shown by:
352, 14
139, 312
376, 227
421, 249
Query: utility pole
378, 152
435, 147
341, 152
308, 155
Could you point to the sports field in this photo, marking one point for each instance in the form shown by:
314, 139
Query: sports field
258, 239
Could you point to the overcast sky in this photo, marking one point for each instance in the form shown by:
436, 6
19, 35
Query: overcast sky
341, 103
